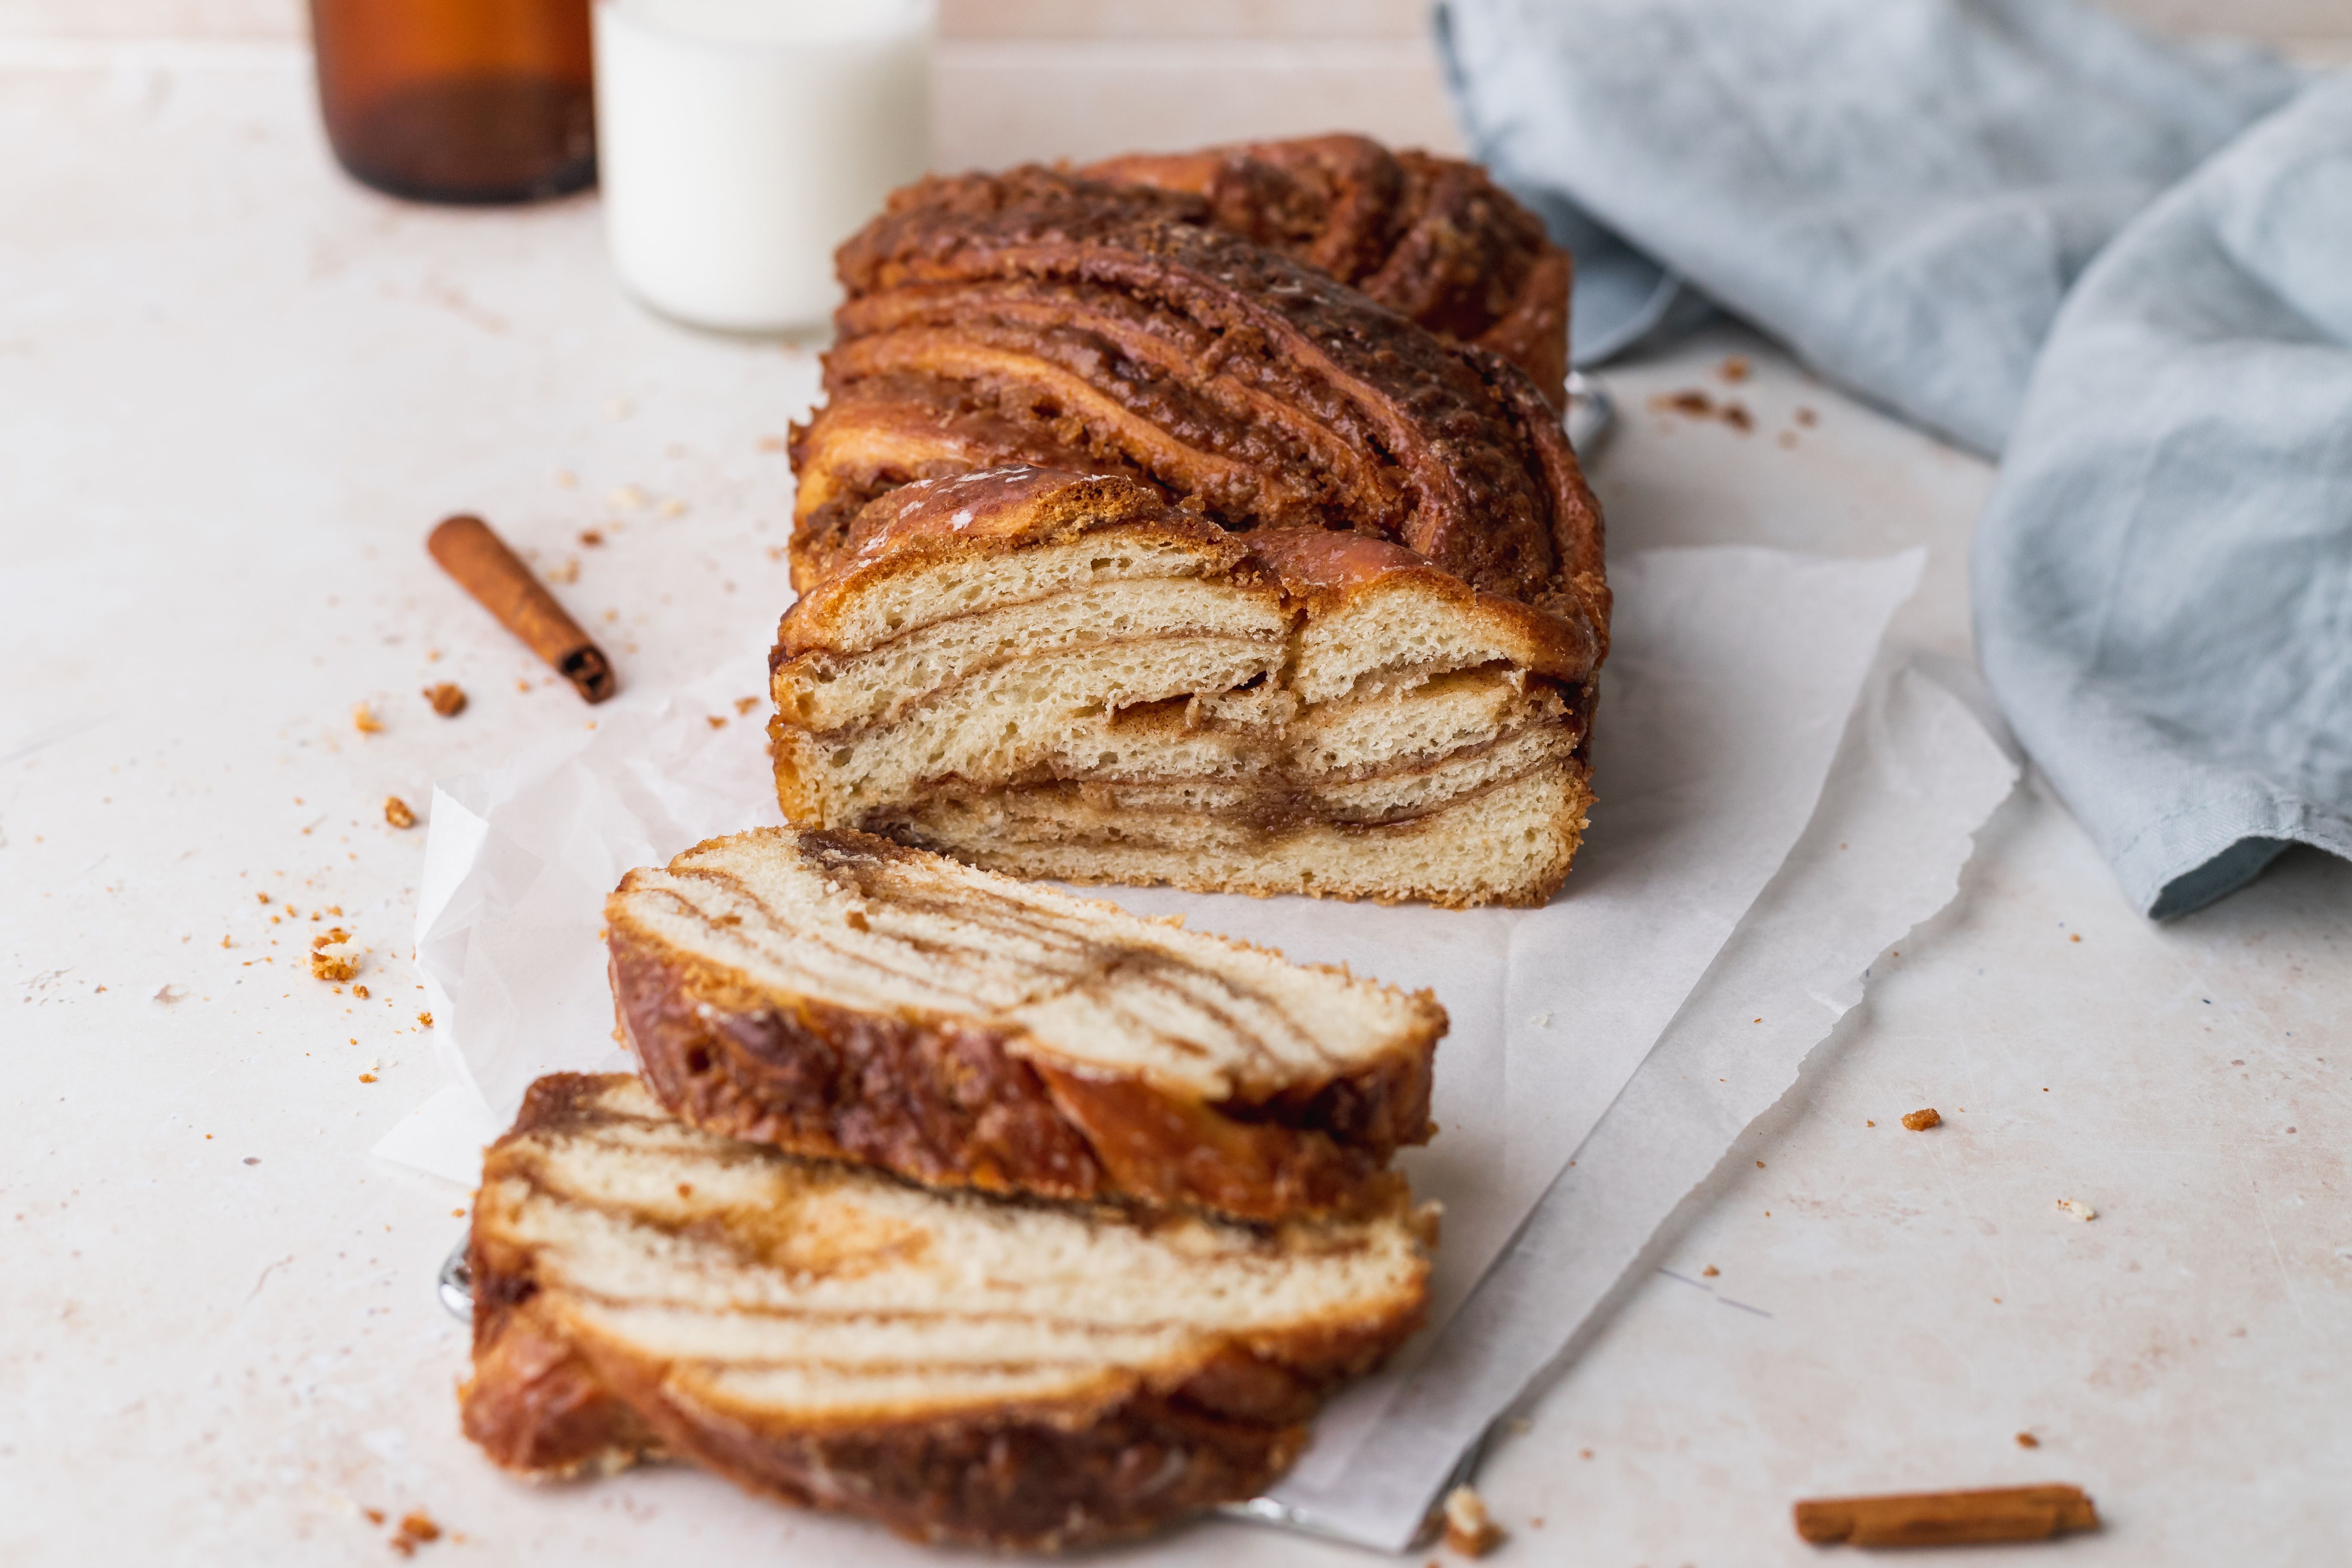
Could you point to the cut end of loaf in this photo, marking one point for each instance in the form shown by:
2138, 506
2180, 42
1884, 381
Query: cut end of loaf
1055, 675
963, 1369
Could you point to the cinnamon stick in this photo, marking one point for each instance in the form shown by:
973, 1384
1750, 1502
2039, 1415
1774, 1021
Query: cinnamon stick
469, 550
1947, 1518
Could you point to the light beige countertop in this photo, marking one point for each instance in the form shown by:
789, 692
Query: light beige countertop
234, 390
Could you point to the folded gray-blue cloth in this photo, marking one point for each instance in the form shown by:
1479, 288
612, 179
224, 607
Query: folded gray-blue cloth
1900, 190
2164, 576
1911, 194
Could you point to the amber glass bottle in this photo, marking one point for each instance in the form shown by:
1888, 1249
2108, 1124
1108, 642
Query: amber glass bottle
458, 100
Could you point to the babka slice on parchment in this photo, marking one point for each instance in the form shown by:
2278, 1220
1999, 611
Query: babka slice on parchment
963, 1369
844, 997
1055, 675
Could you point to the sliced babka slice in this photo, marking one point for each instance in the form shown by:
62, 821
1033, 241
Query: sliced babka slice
963, 1369
1059, 676
841, 995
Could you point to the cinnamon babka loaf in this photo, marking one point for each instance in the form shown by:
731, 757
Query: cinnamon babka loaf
962, 1368
841, 995
1060, 676
1348, 645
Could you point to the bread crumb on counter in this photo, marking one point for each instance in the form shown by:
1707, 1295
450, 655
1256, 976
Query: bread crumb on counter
2028, 1440
365, 721
1920, 1121
448, 700
1468, 1528
397, 812
2076, 1208
332, 957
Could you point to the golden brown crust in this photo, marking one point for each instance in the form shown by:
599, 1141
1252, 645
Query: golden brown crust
552, 1397
951, 1103
1435, 239
1040, 317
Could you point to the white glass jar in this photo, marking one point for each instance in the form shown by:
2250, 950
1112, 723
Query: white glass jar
739, 141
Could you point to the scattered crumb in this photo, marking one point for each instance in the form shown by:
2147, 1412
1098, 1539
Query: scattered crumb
627, 497
1733, 368
372, 1515
419, 1526
366, 722
1806, 417
425, 1020
1759, 1164
397, 812
2075, 937
1468, 1529
1870, 1123
672, 508
1584, 1453
361, 992
448, 699
334, 964
170, 994
367, 1078
591, 537
1920, 1121
716, 721
1735, 415
745, 704
263, 896
224, 940
2076, 1208
1709, 1272
1693, 402
567, 574
2028, 1440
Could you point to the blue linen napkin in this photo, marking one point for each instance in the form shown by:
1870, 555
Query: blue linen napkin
2164, 575
1906, 192
1900, 190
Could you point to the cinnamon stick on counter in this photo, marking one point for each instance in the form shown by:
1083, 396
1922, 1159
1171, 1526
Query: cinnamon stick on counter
1947, 1518
483, 566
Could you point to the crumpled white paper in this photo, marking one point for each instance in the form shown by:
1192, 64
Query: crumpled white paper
1730, 682
1916, 776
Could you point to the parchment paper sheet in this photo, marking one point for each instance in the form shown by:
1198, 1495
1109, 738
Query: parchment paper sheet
1732, 677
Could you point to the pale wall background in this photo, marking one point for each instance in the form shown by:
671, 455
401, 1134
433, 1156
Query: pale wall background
1044, 78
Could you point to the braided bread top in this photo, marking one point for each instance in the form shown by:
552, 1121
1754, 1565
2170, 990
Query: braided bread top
1041, 316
